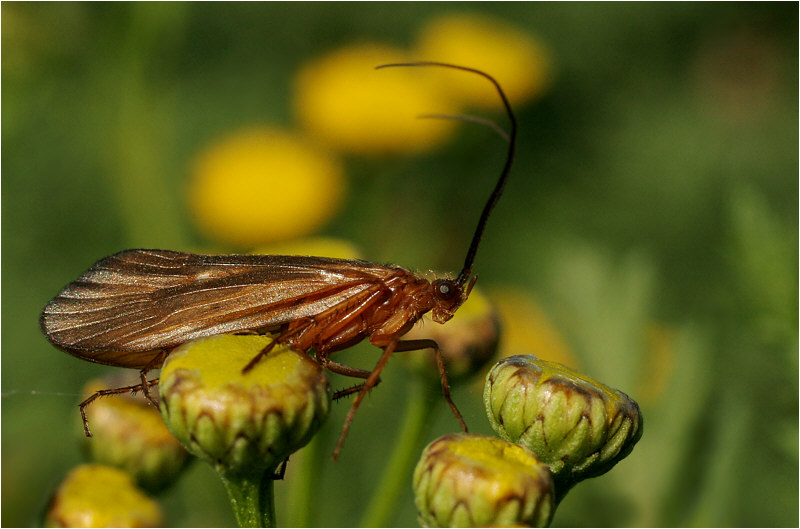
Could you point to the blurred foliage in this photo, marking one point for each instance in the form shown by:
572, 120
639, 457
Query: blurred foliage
652, 214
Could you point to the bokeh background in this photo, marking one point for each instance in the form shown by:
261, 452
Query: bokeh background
648, 235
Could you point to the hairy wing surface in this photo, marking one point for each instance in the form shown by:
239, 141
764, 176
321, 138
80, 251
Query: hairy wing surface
130, 305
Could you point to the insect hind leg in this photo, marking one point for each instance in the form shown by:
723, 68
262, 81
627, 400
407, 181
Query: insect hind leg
105, 392
416, 345
372, 380
156, 361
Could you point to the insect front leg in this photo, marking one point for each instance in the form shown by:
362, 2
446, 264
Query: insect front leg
104, 392
416, 345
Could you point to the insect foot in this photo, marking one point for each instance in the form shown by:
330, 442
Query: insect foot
129, 434
244, 425
469, 480
577, 426
100, 496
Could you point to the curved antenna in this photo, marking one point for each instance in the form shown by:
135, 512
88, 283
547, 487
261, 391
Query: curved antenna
469, 118
501, 182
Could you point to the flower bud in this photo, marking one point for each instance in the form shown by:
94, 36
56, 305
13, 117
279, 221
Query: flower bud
242, 423
576, 425
100, 496
130, 434
468, 341
468, 480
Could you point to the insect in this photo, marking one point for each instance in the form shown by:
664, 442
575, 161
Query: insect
132, 308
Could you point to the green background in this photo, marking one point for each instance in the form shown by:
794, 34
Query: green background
656, 182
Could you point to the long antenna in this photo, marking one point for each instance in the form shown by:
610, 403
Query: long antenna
501, 182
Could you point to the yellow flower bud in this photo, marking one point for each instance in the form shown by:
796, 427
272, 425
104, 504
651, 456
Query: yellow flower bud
100, 496
242, 423
129, 433
263, 185
468, 480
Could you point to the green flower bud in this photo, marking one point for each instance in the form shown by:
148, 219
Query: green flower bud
100, 496
468, 480
242, 423
130, 434
468, 341
576, 425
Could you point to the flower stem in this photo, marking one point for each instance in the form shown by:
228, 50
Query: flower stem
397, 473
303, 485
561, 486
252, 499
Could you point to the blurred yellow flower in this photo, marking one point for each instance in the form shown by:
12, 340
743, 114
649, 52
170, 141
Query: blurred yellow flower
519, 62
659, 361
128, 433
100, 496
316, 246
342, 100
527, 329
263, 185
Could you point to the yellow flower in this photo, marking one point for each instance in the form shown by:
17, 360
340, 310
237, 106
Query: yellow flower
526, 328
263, 185
519, 62
100, 496
342, 100
316, 246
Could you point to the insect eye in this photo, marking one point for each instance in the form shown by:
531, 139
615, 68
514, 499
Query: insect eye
445, 289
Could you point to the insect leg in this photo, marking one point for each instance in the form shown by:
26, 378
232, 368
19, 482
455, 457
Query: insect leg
281, 338
347, 371
143, 376
252, 363
374, 376
105, 392
416, 345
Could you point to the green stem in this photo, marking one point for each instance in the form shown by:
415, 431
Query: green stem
561, 489
252, 499
304, 481
397, 473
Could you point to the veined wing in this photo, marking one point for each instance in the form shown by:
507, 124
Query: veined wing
130, 305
